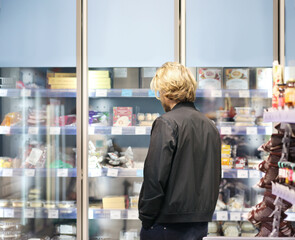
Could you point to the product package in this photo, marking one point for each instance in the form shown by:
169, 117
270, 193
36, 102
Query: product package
264, 78
209, 78
122, 116
237, 78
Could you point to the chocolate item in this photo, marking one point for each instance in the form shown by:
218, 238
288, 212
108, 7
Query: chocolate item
262, 213
270, 198
285, 230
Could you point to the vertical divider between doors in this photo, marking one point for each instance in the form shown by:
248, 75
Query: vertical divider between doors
82, 118
182, 31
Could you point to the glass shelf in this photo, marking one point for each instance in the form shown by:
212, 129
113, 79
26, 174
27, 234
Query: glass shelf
38, 172
71, 93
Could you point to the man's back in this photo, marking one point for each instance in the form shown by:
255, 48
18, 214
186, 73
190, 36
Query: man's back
192, 187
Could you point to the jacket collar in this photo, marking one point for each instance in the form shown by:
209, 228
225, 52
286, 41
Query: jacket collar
184, 104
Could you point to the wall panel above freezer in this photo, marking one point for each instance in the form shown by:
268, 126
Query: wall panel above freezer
229, 33
290, 33
130, 33
38, 33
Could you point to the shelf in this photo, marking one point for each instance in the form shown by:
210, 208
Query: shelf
93, 213
38, 172
132, 214
43, 93
71, 93
201, 93
56, 213
127, 172
235, 130
287, 116
109, 130
41, 130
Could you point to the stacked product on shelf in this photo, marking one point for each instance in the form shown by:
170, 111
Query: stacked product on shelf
7, 82
11, 229
245, 116
98, 79
265, 215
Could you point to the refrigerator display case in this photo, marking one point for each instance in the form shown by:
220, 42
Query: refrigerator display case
38, 165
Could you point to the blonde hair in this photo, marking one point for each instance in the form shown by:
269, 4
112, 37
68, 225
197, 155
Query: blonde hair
176, 82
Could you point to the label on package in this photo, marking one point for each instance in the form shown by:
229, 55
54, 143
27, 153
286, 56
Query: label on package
52, 213
9, 213
3, 92
132, 214
235, 216
33, 130
112, 172
222, 216
29, 213
30, 172
242, 173
7, 172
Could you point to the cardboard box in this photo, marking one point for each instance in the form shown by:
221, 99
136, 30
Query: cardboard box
122, 116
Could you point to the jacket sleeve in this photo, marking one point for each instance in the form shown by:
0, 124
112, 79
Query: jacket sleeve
156, 170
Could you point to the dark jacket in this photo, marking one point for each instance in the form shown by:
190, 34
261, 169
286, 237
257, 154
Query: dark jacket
182, 169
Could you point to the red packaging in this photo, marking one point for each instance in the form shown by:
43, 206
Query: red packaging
122, 116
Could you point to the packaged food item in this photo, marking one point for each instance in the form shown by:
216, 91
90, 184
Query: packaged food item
37, 116
66, 229
122, 116
231, 229
49, 204
281, 100
10, 235
98, 118
66, 204
68, 120
36, 158
133, 202
277, 79
35, 204
147, 119
18, 203
64, 237
114, 202
243, 110
213, 227
264, 78
290, 94
241, 162
4, 203
237, 78
12, 119
10, 225
209, 78
5, 162
7, 82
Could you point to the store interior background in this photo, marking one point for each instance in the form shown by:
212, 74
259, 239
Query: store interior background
129, 40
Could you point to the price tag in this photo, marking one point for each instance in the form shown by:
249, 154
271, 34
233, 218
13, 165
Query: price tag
7, 172
25, 93
116, 131
115, 214
112, 172
1, 213
52, 213
244, 94
132, 214
149, 72
54, 131
126, 93
268, 131
225, 131
29, 213
96, 172
120, 72
101, 93
235, 216
90, 214
3, 92
242, 173
151, 93
251, 130
216, 93
221, 216
254, 174
91, 130
140, 130
62, 172
33, 130
9, 213
4, 130
139, 173
30, 172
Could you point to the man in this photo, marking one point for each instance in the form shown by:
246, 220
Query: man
182, 168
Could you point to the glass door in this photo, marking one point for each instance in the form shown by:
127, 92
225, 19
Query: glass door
38, 120
123, 55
